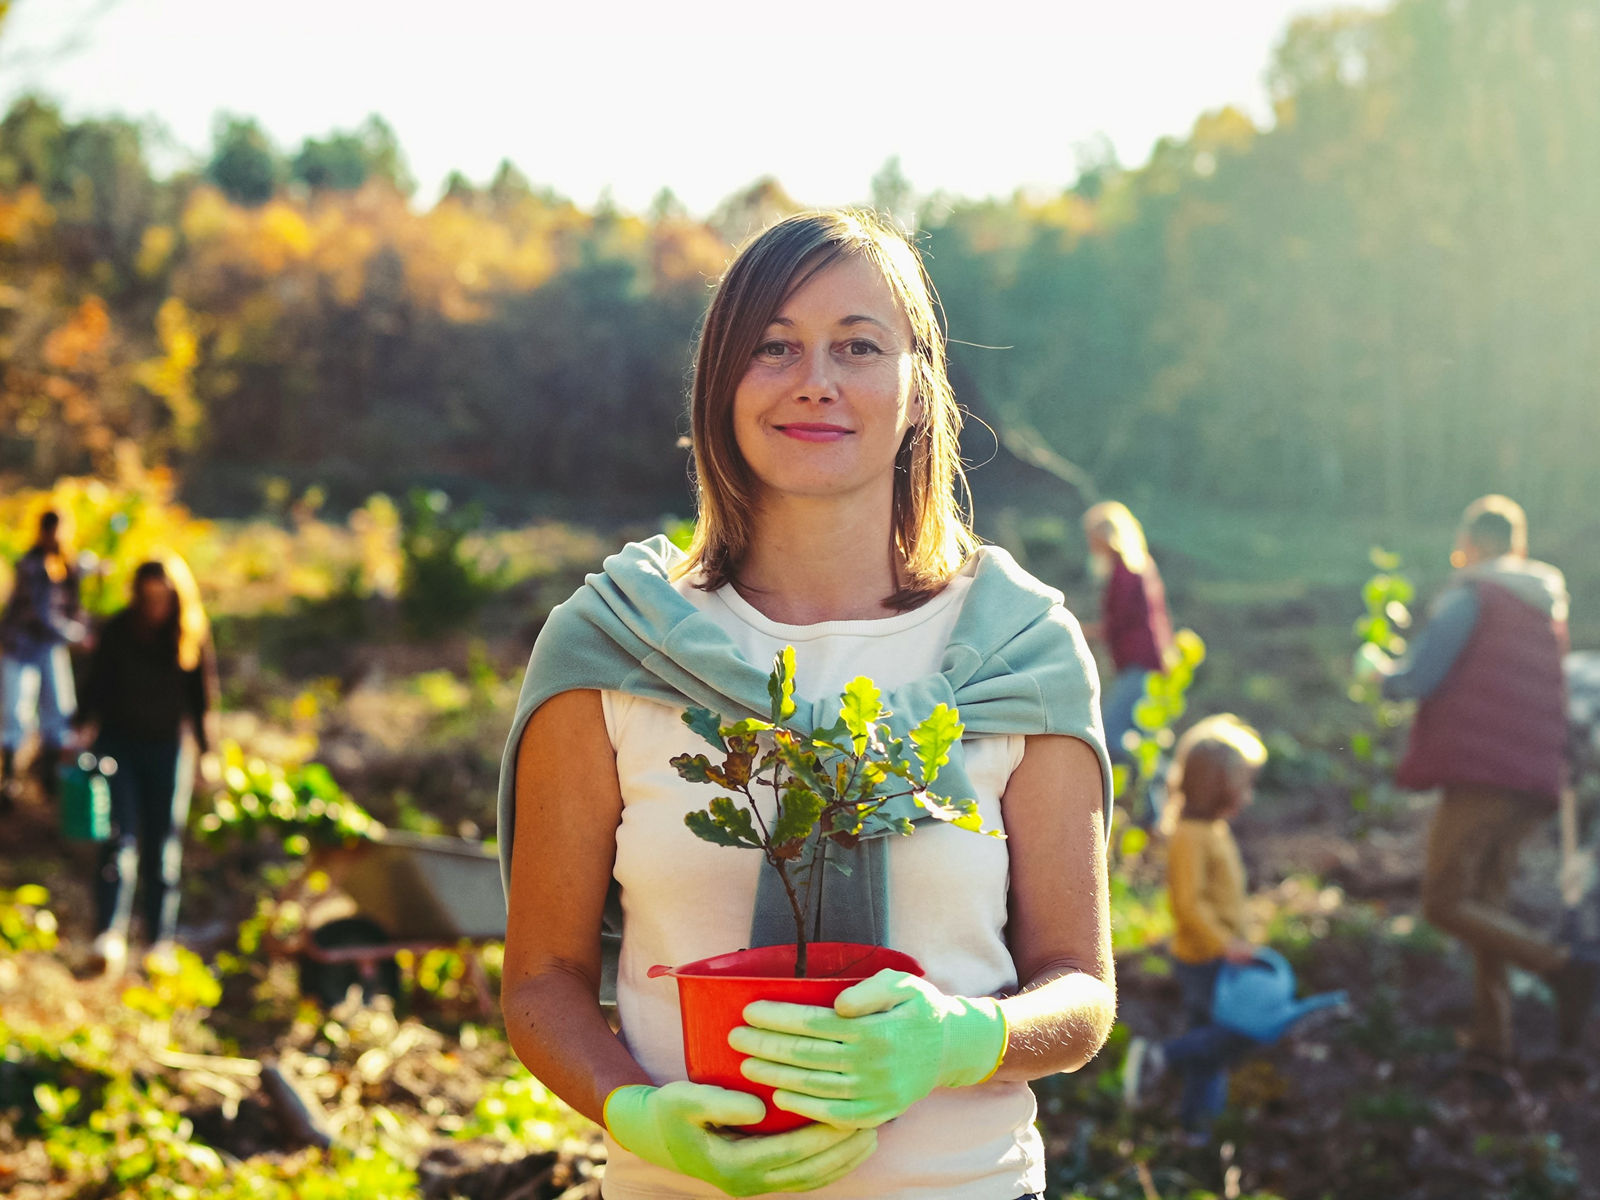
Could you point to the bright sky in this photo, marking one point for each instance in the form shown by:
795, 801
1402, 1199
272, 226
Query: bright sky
978, 97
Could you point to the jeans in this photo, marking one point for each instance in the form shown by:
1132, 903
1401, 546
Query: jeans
1202, 1056
149, 809
36, 683
1116, 709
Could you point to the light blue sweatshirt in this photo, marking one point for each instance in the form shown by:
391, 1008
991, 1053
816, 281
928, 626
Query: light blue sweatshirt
1016, 663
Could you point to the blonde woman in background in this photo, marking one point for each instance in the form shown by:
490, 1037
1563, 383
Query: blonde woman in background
147, 700
1133, 614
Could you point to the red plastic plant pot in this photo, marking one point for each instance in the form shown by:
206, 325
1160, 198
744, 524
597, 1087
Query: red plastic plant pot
712, 994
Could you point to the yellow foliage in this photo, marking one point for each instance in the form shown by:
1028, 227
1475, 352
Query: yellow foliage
120, 524
155, 250
23, 215
171, 376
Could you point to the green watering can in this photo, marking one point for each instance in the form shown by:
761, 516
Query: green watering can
86, 798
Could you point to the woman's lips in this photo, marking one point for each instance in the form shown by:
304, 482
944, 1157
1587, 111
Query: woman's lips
814, 433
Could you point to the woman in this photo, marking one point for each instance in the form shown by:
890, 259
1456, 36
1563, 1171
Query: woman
150, 689
825, 443
42, 617
1133, 614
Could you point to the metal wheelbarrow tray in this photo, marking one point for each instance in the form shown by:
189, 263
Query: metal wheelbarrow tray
418, 892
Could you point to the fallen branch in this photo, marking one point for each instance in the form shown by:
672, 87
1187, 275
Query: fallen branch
301, 1111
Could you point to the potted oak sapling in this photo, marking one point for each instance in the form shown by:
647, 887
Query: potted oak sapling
828, 789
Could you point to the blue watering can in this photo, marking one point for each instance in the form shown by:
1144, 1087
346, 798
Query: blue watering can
1257, 998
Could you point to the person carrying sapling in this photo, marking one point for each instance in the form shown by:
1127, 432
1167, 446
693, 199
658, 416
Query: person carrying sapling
826, 459
1491, 734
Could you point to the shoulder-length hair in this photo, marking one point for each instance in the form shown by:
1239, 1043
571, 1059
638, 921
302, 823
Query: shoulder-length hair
931, 529
1198, 784
188, 626
1112, 520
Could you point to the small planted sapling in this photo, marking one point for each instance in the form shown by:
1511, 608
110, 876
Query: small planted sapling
828, 786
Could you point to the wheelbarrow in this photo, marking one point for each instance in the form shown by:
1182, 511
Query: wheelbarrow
406, 892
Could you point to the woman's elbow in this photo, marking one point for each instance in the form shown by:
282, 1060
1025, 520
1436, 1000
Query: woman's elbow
552, 985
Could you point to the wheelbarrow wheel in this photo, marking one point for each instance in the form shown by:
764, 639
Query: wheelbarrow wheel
328, 983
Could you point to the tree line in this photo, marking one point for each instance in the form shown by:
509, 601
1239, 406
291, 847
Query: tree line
1384, 302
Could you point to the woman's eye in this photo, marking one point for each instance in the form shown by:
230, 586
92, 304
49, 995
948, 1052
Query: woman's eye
771, 350
861, 348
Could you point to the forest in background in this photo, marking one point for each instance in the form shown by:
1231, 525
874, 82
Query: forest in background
1381, 305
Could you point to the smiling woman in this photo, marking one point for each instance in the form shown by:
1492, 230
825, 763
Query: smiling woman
825, 444
829, 320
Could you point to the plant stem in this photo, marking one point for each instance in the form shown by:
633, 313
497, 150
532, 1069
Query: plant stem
799, 916
819, 879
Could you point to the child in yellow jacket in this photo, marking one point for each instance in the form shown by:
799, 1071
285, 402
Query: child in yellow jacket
1212, 779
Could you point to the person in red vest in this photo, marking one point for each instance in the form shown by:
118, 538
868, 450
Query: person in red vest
1491, 734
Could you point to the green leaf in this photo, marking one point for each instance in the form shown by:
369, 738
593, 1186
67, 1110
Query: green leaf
780, 685
1150, 715
798, 757
724, 823
861, 705
1383, 559
1120, 773
963, 814
876, 824
1361, 747
934, 737
1373, 629
746, 727
707, 724
835, 737
696, 768
798, 813
1134, 841
1191, 648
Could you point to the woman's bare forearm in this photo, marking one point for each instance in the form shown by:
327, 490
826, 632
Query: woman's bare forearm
1058, 1022
557, 1029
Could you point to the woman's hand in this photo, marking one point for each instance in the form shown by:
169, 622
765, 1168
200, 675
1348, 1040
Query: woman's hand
670, 1126
886, 1043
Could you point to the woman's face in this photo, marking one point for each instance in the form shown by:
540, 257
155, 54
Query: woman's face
154, 600
827, 397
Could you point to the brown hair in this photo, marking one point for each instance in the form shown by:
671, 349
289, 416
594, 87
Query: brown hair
1496, 525
188, 626
1197, 783
931, 500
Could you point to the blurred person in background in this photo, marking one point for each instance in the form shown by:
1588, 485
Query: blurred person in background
1491, 733
1133, 615
43, 617
148, 696
1212, 781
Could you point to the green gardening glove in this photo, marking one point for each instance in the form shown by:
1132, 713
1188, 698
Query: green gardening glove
886, 1043
669, 1126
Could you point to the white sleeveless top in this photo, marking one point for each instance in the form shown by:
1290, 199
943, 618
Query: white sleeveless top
684, 899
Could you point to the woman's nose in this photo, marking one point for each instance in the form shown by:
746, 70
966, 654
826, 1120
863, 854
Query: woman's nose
816, 382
